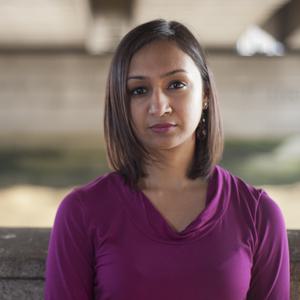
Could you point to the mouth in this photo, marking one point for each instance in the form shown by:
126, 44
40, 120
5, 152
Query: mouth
163, 127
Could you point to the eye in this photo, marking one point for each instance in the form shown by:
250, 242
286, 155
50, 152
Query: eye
138, 91
177, 85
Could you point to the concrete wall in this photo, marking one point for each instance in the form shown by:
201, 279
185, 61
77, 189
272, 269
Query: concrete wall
259, 96
62, 94
23, 252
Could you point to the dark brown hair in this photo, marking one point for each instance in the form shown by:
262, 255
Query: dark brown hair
125, 152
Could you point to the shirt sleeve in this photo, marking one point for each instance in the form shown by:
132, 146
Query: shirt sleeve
69, 265
270, 274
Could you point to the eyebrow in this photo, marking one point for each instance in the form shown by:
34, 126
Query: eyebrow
163, 75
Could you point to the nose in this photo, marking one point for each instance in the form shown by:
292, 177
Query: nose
159, 103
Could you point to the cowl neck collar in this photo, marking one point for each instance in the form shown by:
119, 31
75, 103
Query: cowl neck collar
147, 217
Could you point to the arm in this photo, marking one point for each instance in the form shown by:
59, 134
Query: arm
69, 266
270, 276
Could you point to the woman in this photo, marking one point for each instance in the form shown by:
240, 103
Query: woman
168, 222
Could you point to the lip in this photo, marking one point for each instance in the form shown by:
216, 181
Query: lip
162, 127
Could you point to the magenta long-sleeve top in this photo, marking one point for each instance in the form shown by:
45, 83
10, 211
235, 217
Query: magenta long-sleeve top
109, 242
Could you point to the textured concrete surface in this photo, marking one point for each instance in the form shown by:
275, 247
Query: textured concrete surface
19, 289
64, 94
23, 252
294, 246
22, 263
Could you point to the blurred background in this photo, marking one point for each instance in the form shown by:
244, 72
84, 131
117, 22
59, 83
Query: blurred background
54, 59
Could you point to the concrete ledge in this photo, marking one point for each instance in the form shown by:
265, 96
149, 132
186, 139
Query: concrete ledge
21, 289
23, 252
294, 246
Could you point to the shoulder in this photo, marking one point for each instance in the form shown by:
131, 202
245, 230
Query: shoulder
237, 187
269, 216
97, 199
251, 200
103, 183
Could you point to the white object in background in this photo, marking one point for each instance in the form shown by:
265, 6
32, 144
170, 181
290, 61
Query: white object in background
255, 40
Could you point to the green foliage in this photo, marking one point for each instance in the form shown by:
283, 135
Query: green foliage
256, 161
262, 162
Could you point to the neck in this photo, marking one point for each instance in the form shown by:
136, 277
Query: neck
169, 172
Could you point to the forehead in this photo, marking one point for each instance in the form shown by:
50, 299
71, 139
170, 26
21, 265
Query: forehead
159, 57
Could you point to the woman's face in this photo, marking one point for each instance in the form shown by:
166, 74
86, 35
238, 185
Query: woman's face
166, 89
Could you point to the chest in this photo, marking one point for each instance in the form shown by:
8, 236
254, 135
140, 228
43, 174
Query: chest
138, 267
178, 209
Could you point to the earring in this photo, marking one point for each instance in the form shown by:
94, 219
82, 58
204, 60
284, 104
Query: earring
201, 129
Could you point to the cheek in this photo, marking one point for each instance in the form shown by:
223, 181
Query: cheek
192, 111
136, 114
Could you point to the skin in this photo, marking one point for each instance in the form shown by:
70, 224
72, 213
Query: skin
175, 98
158, 98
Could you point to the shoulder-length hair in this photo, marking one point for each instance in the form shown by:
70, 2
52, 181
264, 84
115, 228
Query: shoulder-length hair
125, 152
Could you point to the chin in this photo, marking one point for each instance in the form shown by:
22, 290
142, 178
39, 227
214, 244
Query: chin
163, 146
